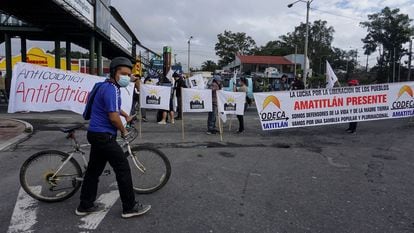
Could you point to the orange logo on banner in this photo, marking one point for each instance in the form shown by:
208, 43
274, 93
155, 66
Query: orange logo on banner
271, 99
406, 89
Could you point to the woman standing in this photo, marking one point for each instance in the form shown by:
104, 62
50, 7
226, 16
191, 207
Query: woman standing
242, 88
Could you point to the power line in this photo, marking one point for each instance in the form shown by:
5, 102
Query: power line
339, 15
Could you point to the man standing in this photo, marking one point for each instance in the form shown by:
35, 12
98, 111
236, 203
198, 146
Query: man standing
211, 120
179, 83
102, 131
352, 125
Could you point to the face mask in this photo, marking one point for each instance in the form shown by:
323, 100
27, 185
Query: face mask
123, 81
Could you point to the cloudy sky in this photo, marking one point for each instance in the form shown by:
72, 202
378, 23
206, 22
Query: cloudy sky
164, 22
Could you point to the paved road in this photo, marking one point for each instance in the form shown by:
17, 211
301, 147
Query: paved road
316, 179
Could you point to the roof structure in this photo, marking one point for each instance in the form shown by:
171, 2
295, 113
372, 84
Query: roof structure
268, 60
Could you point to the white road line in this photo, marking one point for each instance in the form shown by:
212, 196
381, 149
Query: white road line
91, 221
25, 212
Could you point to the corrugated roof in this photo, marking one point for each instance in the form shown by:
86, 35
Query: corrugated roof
268, 60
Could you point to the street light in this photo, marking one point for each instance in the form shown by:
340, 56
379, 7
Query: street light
188, 62
305, 70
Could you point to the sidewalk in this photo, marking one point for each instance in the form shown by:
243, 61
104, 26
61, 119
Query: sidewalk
13, 131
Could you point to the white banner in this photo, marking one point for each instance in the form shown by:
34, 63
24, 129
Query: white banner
195, 100
313, 107
231, 102
41, 89
155, 97
197, 82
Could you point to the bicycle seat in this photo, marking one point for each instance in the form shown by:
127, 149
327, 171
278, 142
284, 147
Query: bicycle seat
71, 129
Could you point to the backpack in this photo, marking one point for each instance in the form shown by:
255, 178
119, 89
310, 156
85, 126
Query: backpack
91, 96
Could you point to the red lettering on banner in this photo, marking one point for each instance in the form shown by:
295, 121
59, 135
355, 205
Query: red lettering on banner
365, 100
53, 92
319, 103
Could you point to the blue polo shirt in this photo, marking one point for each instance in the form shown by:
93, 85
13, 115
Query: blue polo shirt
107, 99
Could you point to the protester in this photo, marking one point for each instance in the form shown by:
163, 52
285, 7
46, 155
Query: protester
105, 121
212, 116
147, 80
135, 97
284, 85
170, 112
352, 125
179, 83
297, 83
242, 88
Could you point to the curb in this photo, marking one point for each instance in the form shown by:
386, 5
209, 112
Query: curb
27, 132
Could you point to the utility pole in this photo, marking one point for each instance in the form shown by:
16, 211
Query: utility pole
393, 67
296, 51
409, 60
366, 67
189, 41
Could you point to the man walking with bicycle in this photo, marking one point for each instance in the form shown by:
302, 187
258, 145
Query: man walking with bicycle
105, 121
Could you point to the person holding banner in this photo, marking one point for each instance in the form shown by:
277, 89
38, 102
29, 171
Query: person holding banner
242, 88
179, 83
212, 116
105, 121
352, 125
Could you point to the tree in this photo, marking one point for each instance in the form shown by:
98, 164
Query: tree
230, 44
209, 65
320, 40
274, 48
388, 30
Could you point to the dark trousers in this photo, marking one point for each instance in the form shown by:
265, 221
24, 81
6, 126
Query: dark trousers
179, 107
353, 126
241, 123
241, 119
211, 120
104, 148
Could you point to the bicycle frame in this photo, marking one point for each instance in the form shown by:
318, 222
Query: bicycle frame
77, 150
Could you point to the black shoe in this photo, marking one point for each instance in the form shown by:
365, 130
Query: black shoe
144, 119
350, 131
138, 210
239, 131
209, 132
82, 211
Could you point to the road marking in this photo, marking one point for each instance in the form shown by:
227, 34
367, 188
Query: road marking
92, 221
25, 212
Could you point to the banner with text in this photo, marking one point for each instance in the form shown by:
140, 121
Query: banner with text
195, 100
231, 102
41, 89
197, 82
155, 97
301, 108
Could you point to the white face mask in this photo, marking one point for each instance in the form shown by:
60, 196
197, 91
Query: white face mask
123, 80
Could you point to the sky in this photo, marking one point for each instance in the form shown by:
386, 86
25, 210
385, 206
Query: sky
159, 23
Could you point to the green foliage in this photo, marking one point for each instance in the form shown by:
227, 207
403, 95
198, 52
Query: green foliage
320, 40
209, 65
230, 44
390, 30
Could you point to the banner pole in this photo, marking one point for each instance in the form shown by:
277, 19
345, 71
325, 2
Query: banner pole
140, 122
231, 120
220, 127
182, 115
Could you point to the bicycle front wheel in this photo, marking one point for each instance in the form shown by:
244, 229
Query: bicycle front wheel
39, 179
150, 169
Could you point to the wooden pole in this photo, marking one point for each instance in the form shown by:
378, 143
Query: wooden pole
140, 121
182, 116
220, 127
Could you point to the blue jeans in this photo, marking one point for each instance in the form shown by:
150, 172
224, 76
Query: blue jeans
211, 120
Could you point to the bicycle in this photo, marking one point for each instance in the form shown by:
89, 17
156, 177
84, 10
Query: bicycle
54, 175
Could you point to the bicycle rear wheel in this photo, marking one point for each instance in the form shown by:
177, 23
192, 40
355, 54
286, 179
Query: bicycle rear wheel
36, 176
150, 169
